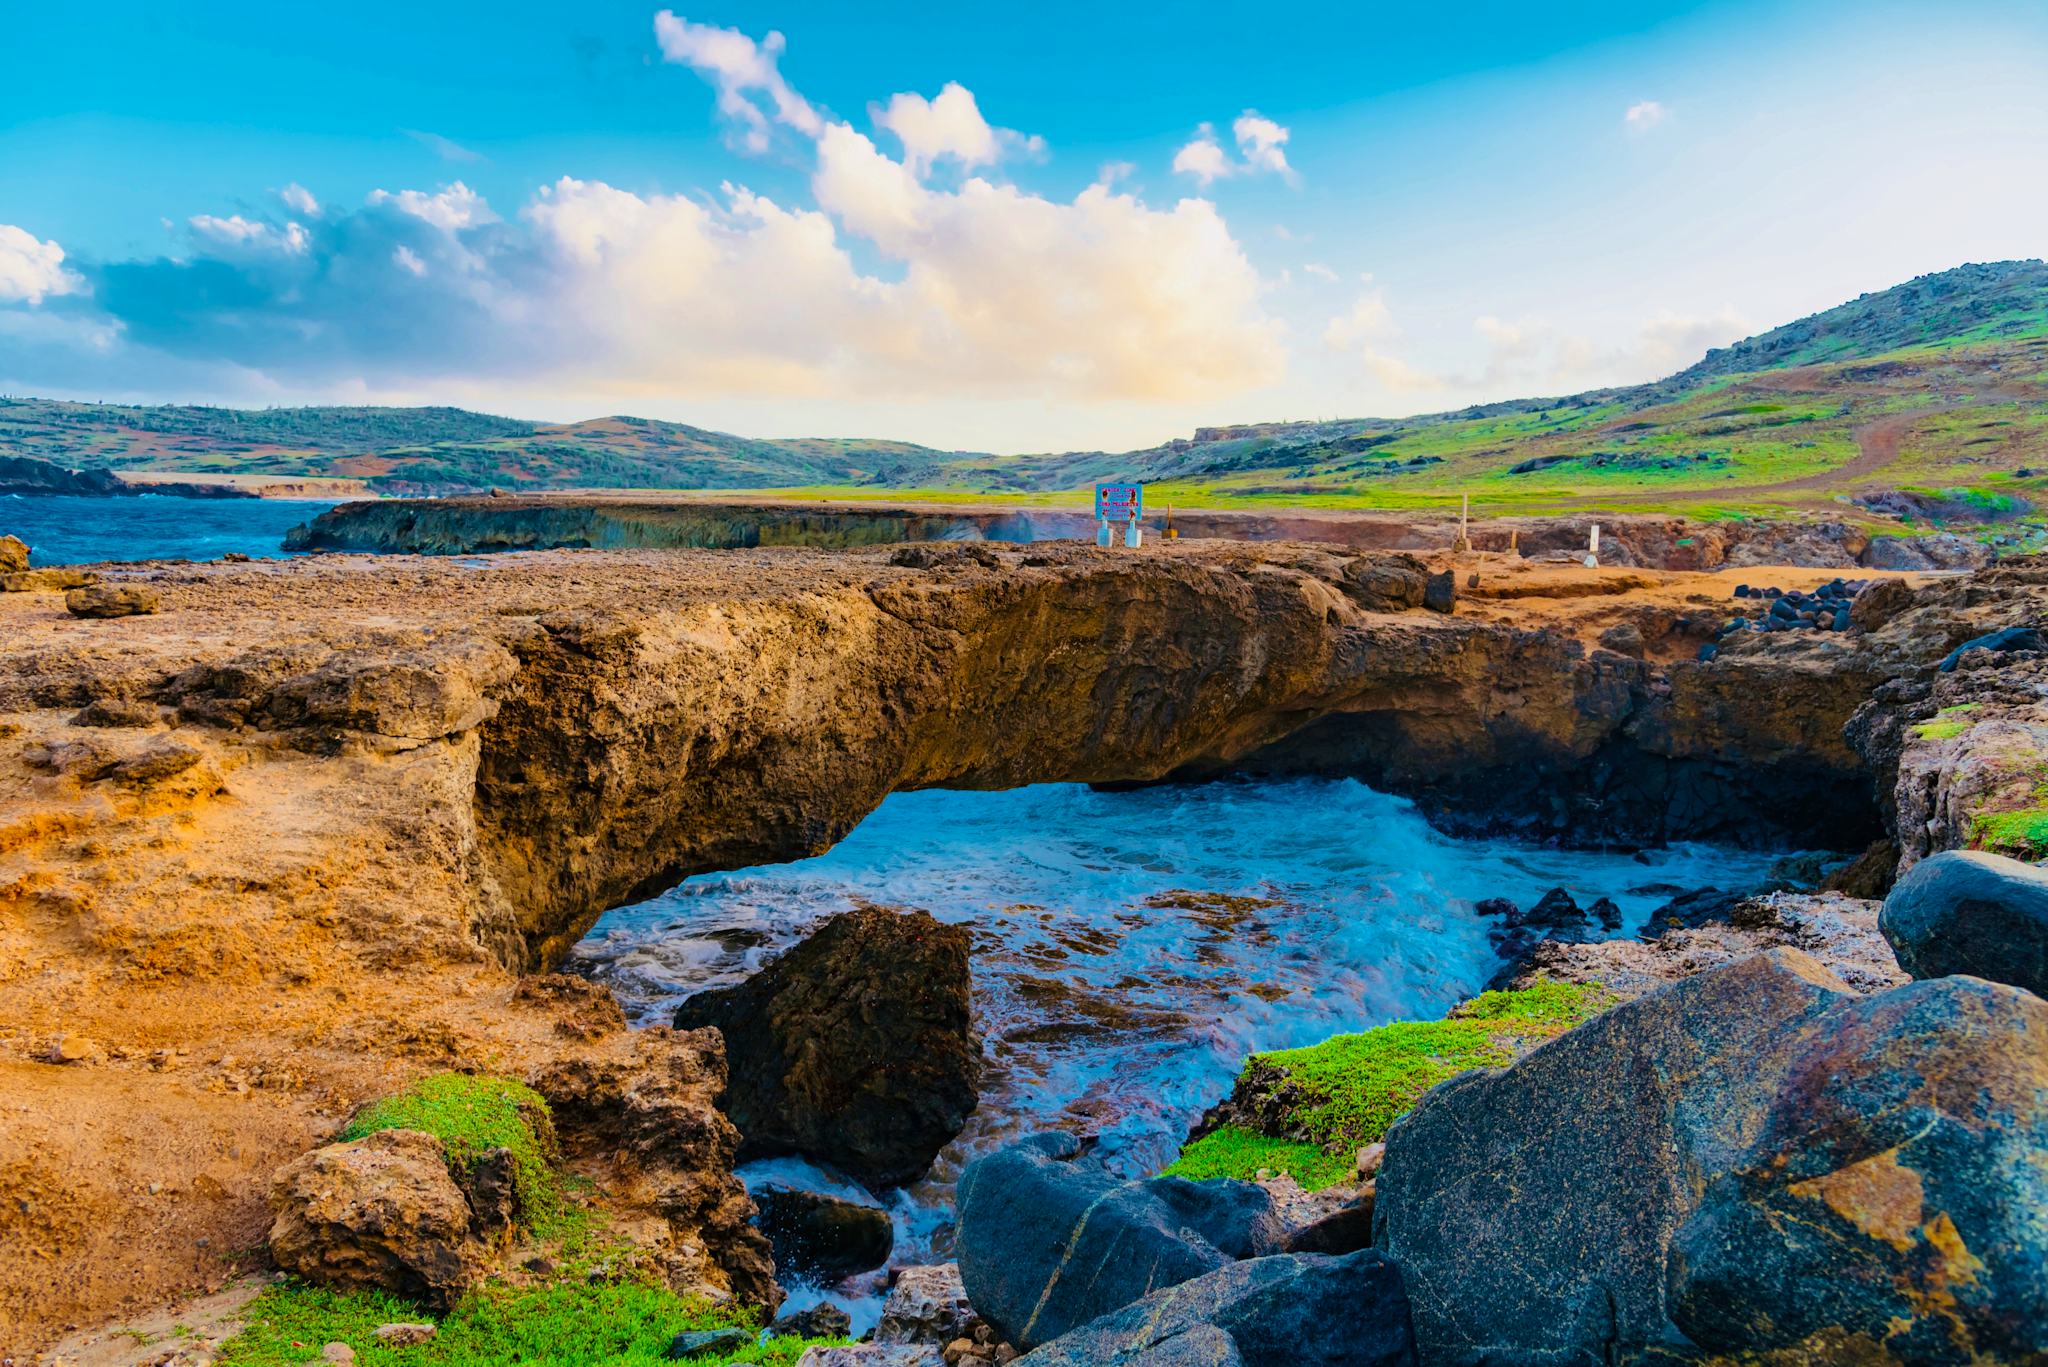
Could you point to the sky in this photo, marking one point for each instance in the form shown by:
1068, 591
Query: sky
1021, 228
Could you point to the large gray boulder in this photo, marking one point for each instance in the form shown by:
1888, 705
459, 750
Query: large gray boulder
1047, 1242
1754, 1160
1294, 1310
1965, 911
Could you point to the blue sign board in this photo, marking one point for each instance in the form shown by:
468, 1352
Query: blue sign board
1119, 502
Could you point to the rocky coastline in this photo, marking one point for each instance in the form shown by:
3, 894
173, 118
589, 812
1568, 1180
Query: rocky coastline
304, 838
470, 524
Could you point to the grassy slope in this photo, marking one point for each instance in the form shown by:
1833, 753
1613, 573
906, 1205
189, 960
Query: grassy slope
1935, 385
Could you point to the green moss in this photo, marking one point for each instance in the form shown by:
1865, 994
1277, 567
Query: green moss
2023, 834
472, 1115
1234, 1152
1940, 730
1353, 1087
567, 1324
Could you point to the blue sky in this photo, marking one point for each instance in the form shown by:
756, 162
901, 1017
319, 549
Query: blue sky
1124, 223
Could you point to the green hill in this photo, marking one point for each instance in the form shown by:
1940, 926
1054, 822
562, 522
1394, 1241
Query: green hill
1928, 399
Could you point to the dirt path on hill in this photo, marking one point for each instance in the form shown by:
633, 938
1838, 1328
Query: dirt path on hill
1877, 449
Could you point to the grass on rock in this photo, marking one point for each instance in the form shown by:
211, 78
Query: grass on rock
472, 1115
1351, 1088
597, 1306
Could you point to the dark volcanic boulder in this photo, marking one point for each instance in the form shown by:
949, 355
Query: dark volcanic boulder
822, 1238
1294, 1310
1965, 911
1757, 1158
854, 1048
1047, 1243
1388, 583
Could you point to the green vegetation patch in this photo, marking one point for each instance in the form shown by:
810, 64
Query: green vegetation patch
565, 1324
2021, 833
472, 1115
1231, 1151
1351, 1088
1947, 723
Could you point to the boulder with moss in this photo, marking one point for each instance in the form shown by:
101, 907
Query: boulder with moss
418, 1189
1307, 1112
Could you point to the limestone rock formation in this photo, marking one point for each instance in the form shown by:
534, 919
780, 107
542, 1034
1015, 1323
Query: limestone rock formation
13, 554
1047, 1243
640, 1116
381, 1211
1965, 911
926, 1304
111, 600
1283, 1311
1757, 1158
856, 1048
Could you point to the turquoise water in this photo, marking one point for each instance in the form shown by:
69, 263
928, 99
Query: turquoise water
1102, 1004
63, 530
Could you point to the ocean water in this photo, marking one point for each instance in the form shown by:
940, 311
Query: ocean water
65, 530
1130, 948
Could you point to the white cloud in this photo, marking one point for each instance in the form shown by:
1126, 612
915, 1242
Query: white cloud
741, 69
236, 231
300, 200
407, 260
1261, 140
32, 271
949, 125
1320, 272
1645, 115
451, 209
1202, 157
1260, 144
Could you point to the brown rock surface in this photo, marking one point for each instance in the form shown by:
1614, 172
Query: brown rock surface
13, 554
381, 1211
379, 784
111, 600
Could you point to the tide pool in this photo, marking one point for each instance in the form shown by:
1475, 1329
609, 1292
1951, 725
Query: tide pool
1131, 947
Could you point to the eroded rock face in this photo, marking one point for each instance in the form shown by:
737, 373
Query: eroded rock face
641, 1115
1756, 1157
856, 1048
1282, 1311
381, 1211
1047, 1243
13, 554
926, 1305
1965, 911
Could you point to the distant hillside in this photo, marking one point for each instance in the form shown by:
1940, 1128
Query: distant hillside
1928, 399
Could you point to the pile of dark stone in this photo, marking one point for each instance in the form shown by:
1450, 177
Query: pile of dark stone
1824, 609
1556, 915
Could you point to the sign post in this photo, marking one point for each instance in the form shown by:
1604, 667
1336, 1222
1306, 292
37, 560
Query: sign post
1119, 504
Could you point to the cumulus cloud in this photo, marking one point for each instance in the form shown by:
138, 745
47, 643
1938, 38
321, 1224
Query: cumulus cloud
1261, 147
451, 208
948, 125
879, 284
1644, 116
30, 270
751, 89
300, 200
236, 231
